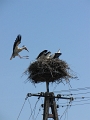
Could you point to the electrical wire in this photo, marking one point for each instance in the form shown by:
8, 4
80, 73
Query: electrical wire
34, 109
21, 109
81, 104
73, 105
38, 113
81, 97
86, 88
64, 112
75, 94
81, 100
30, 105
74, 101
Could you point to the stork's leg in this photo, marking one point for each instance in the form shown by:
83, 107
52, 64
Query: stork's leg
24, 57
19, 56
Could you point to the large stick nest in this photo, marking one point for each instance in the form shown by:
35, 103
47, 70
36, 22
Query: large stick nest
52, 70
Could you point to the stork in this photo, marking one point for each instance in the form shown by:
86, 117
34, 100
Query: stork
43, 55
55, 55
47, 55
16, 49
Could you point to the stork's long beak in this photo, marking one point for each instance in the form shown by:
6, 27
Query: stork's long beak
27, 49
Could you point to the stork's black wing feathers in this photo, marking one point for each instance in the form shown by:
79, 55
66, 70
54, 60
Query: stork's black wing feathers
47, 52
17, 42
57, 55
41, 53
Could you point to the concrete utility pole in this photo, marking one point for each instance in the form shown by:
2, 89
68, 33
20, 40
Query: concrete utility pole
49, 102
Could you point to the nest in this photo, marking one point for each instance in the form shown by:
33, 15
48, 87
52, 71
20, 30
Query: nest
52, 70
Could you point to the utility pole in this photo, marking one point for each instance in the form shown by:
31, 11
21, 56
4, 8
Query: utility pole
49, 102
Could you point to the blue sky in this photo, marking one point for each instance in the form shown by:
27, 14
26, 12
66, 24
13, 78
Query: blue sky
43, 24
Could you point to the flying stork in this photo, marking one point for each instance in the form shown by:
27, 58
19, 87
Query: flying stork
16, 49
43, 55
55, 55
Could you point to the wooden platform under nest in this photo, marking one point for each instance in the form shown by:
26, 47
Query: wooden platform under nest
52, 70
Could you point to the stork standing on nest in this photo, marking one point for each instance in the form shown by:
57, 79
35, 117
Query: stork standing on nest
55, 55
43, 55
16, 49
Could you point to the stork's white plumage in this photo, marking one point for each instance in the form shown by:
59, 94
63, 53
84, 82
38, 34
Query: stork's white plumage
56, 55
16, 49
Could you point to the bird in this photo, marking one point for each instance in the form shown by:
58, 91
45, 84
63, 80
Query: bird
47, 55
55, 55
43, 55
16, 49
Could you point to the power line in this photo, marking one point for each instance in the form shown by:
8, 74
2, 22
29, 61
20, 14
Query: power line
86, 88
81, 100
73, 102
30, 105
75, 94
64, 112
34, 108
38, 113
21, 109
73, 105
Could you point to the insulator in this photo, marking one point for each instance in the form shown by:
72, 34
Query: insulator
57, 106
42, 105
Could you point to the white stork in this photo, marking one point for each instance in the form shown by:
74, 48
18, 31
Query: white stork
55, 55
16, 49
43, 55
47, 55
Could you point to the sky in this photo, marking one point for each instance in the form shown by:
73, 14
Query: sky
51, 25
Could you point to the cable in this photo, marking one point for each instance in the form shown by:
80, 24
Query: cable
73, 89
30, 105
74, 94
75, 101
85, 99
74, 105
80, 97
64, 112
38, 113
81, 104
21, 110
34, 109
81, 100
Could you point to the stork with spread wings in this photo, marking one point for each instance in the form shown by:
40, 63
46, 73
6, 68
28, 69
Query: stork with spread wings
16, 49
